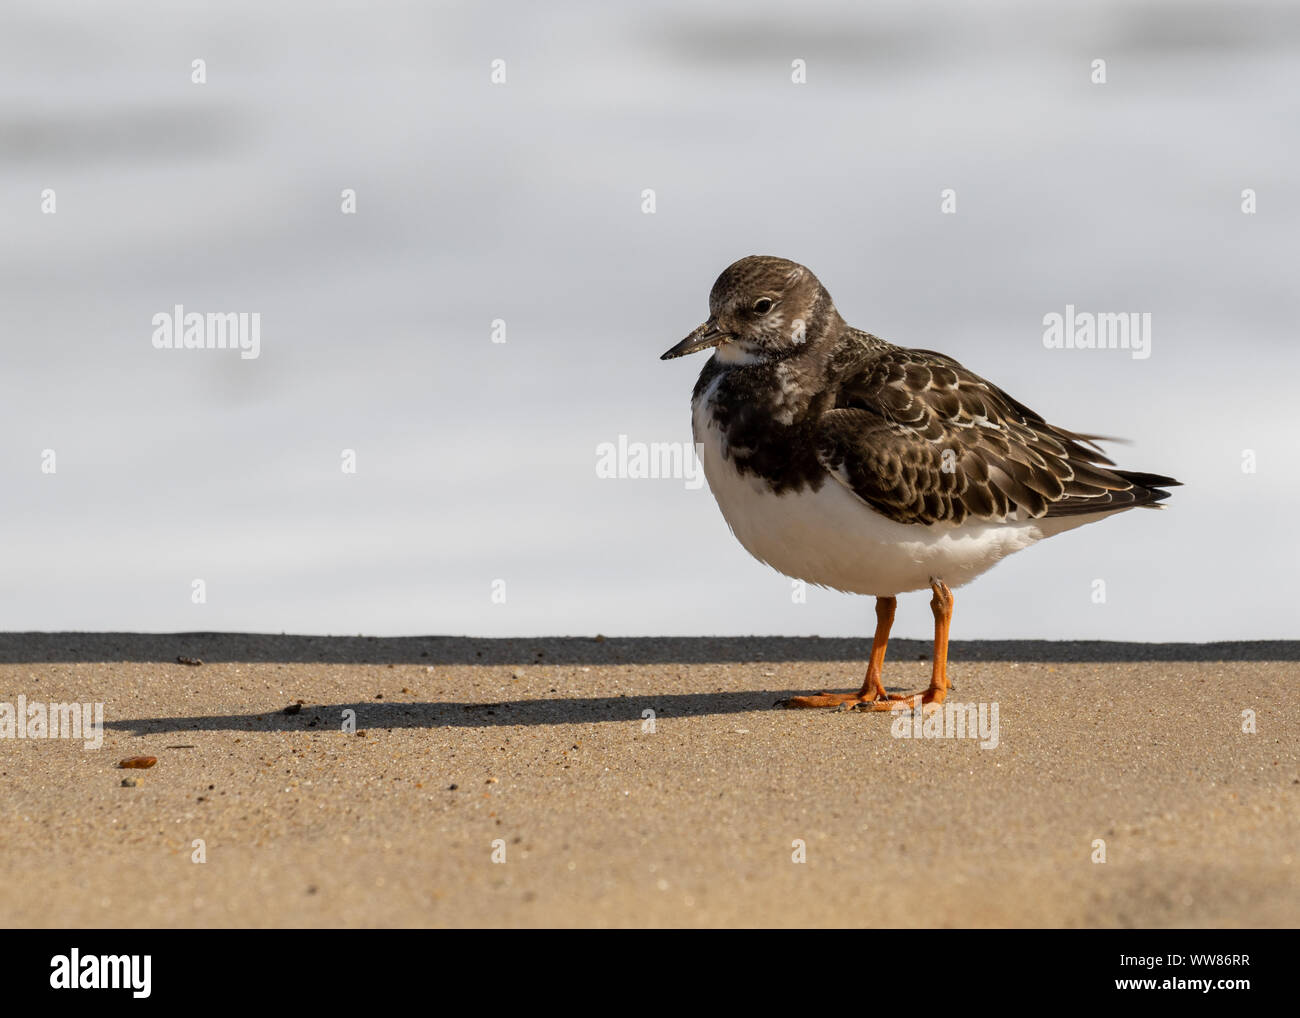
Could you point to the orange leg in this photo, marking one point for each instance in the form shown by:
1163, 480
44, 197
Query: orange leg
941, 605
873, 688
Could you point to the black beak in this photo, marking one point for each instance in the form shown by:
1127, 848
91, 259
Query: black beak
705, 336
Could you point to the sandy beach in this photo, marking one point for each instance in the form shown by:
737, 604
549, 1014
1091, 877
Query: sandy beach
521, 783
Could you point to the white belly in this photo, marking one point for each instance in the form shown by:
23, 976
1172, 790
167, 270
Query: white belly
832, 538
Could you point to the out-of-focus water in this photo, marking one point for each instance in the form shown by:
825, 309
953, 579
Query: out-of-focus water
523, 202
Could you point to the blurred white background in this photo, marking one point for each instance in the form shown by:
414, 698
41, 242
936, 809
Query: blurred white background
522, 201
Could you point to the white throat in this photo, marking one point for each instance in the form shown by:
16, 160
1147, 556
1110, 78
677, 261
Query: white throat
734, 353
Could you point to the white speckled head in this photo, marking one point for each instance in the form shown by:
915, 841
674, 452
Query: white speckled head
761, 308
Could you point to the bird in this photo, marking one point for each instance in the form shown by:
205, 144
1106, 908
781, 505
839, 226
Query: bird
850, 463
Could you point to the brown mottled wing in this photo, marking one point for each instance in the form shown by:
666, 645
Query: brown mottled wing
921, 439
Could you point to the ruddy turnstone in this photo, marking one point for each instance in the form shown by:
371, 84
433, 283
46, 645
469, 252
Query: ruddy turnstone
845, 461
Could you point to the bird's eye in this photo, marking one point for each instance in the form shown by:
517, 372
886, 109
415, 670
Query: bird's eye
763, 305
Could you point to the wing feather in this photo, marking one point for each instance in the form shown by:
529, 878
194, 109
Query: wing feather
922, 440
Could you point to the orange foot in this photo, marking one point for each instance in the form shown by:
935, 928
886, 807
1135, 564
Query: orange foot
930, 697
941, 606
873, 689
839, 701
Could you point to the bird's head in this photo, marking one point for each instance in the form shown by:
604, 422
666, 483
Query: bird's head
761, 309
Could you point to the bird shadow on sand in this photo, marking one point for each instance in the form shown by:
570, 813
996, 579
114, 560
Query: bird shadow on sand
373, 715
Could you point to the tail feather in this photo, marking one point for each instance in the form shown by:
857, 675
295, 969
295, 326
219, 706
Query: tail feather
1153, 486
